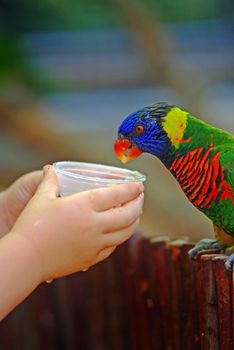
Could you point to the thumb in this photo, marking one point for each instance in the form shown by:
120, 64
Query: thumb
49, 184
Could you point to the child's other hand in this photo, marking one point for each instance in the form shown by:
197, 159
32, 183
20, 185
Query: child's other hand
72, 233
15, 198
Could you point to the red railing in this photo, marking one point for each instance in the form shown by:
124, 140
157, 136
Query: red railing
148, 296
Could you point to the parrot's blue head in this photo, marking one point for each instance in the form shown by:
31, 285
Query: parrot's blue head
143, 131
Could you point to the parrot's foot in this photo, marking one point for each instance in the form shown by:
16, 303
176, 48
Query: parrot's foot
206, 245
229, 262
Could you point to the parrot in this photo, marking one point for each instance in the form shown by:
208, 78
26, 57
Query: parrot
198, 155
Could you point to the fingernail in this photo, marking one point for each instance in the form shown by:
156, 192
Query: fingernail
141, 187
141, 195
46, 169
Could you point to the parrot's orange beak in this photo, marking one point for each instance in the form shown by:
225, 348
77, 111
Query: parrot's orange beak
125, 151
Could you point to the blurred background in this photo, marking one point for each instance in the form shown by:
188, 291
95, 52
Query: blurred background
71, 70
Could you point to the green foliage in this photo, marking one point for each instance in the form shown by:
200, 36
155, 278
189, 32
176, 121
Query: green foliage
183, 10
35, 15
11, 63
25, 15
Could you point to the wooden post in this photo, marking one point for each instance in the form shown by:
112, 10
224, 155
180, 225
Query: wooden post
33, 324
223, 281
160, 284
190, 325
184, 306
139, 293
115, 283
210, 304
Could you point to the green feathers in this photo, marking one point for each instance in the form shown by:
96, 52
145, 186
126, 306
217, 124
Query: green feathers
199, 156
204, 167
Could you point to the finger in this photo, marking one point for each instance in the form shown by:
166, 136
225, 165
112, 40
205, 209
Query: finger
105, 253
30, 182
121, 217
105, 198
49, 184
120, 236
21, 191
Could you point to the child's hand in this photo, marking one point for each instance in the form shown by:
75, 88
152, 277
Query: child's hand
14, 199
72, 233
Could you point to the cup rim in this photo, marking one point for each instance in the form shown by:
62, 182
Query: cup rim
132, 175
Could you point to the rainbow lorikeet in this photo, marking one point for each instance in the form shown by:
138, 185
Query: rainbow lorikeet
200, 157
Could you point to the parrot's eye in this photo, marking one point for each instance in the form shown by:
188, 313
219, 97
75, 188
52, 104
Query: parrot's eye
139, 129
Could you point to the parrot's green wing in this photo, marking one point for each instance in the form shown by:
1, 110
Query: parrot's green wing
227, 161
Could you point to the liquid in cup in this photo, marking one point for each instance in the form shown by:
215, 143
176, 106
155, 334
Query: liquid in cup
76, 177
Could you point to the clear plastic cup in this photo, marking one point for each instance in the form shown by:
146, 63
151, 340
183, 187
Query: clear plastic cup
75, 177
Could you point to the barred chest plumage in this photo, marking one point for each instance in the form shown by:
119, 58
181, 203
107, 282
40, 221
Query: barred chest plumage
201, 177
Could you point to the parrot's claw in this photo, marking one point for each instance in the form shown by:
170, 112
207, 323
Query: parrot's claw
206, 245
229, 262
